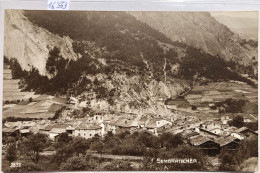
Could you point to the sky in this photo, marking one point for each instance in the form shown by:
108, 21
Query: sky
240, 14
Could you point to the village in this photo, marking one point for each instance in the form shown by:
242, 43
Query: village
209, 134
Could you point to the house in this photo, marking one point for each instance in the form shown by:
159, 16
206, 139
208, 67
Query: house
239, 136
208, 134
46, 129
246, 132
14, 125
24, 132
175, 130
207, 145
157, 123
70, 129
55, 132
28, 124
228, 142
87, 130
217, 131
187, 134
209, 125
225, 119
143, 121
10, 132
122, 124
249, 118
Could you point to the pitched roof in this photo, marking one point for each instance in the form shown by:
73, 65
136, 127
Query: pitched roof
241, 129
188, 134
222, 141
8, 130
58, 130
123, 122
198, 140
24, 131
88, 126
143, 120
151, 123
209, 132
28, 123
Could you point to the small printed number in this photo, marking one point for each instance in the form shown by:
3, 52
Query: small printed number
15, 165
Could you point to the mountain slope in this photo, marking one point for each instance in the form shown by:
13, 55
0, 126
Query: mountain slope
247, 28
199, 29
31, 44
120, 59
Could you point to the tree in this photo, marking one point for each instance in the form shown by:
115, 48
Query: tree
9, 140
63, 153
74, 164
98, 146
231, 160
63, 139
11, 154
80, 145
34, 145
193, 107
148, 140
170, 141
238, 121
227, 161
17, 71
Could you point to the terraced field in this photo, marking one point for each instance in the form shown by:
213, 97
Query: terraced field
43, 106
11, 91
220, 91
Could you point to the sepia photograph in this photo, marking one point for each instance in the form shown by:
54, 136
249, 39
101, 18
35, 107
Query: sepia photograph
130, 91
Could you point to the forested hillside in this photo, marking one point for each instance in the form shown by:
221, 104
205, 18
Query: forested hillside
109, 42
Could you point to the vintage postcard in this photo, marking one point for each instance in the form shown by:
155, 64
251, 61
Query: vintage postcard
130, 91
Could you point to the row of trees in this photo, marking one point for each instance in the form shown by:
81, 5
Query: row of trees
75, 153
69, 150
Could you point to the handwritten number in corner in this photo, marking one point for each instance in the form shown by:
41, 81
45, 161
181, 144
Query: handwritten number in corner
56, 5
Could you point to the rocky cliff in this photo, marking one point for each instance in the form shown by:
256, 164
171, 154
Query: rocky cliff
30, 44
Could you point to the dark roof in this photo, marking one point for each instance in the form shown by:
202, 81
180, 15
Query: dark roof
222, 141
189, 134
242, 129
209, 132
198, 140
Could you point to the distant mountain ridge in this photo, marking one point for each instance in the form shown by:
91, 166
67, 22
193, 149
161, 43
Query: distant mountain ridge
247, 28
200, 30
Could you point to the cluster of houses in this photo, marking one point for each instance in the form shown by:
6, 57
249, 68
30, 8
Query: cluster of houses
210, 136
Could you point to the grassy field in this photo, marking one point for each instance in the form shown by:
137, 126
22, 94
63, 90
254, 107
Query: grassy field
220, 91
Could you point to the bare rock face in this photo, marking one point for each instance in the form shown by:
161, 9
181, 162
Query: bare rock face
199, 30
31, 44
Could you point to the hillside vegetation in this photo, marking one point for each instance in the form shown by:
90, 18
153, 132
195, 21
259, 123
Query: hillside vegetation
110, 42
